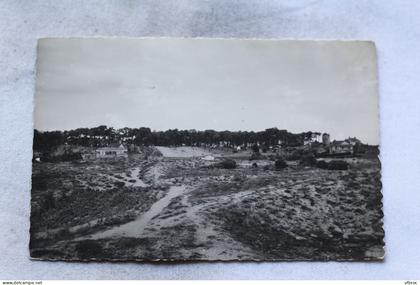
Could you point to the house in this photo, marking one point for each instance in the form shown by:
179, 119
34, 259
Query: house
88, 155
353, 141
341, 147
111, 152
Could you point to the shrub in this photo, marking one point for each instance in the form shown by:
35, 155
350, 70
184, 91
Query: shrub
127, 242
119, 184
338, 165
322, 164
64, 234
150, 151
333, 165
238, 178
255, 148
71, 156
46, 253
64, 157
88, 249
227, 164
308, 160
294, 156
280, 164
48, 202
256, 156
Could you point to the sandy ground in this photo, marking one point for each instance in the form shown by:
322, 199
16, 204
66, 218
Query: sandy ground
183, 151
181, 208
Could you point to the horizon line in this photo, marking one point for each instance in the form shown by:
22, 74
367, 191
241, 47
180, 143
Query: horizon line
199, 130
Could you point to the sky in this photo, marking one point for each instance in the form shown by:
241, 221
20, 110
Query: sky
220, 84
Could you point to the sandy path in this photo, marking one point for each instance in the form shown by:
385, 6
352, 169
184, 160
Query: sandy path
215, 244
135, 173
183, 152
210, 240
136, 227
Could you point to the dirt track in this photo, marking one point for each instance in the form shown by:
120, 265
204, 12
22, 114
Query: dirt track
196, 212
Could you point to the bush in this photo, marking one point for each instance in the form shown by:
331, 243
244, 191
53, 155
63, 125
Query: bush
127, 242
119, 184
150, 151
256, 156
238, 178
227, 164
308, 160
294, 156
71, 156
64, 157
255, 148
48, 202
64, 234
46, 253
322, 164
338, 165
88, 249
333, 165
280, 164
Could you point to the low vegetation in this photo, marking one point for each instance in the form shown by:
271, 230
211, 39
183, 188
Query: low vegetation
333, 165
226, 164
280, 164
227, 208
308, 160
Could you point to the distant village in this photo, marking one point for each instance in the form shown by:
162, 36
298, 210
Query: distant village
326, 147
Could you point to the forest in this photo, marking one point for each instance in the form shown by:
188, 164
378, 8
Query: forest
104, 136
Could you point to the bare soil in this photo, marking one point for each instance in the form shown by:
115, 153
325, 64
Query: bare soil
182, 208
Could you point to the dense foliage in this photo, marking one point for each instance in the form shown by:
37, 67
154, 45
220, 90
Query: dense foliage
280, 164
308, 160
227, 164
103, 136
332, 165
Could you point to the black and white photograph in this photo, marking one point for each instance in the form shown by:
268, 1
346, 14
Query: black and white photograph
175, 149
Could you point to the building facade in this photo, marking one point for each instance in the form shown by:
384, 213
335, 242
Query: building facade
111, 152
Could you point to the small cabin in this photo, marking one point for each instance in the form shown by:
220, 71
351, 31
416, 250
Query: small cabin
111, 152
341, 147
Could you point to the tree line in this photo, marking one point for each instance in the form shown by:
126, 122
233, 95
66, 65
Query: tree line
105, 136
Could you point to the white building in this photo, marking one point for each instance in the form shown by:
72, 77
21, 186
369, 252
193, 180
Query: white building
110, 152
341, 147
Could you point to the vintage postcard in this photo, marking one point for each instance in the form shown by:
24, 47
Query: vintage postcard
206, 149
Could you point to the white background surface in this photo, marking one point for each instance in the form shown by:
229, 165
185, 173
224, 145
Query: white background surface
393, 25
